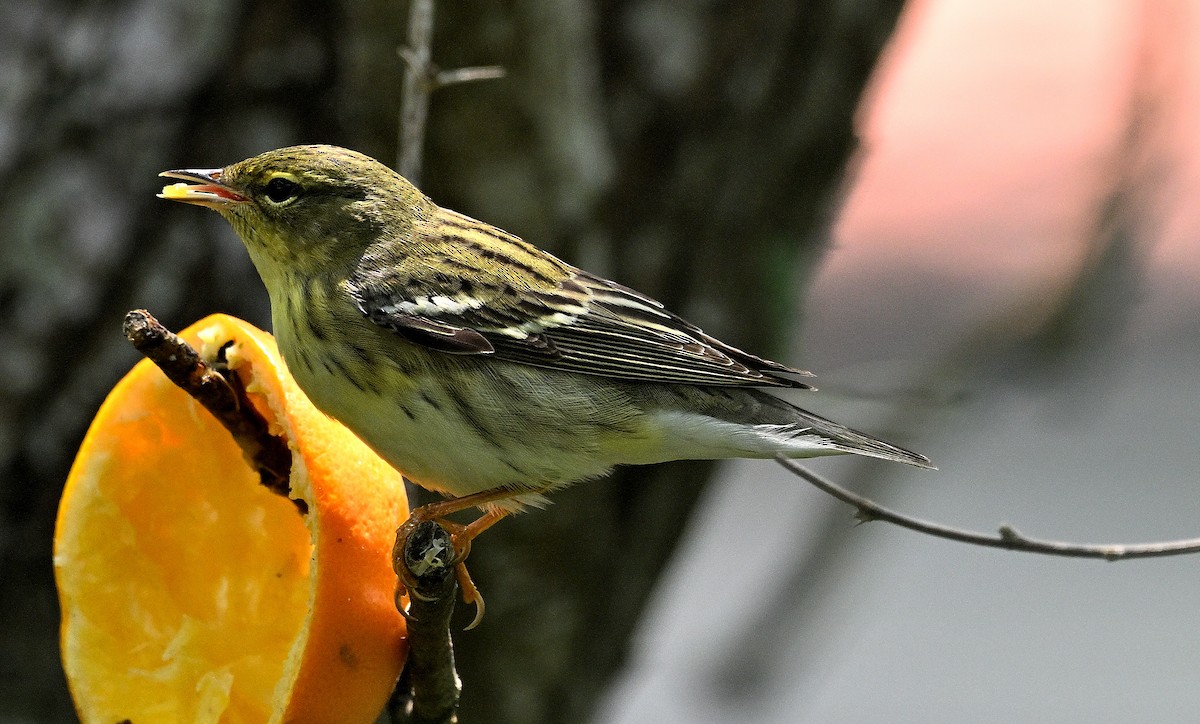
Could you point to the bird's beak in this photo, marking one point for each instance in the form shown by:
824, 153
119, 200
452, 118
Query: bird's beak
205, 188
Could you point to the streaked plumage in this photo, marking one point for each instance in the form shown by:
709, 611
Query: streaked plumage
472, 360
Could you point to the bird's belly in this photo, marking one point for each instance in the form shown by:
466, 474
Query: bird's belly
464, 440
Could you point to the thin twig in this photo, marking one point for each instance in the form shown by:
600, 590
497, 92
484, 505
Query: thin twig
222, 394
467, 75
430, 690
1008, 537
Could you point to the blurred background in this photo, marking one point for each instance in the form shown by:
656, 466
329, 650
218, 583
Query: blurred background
972, 220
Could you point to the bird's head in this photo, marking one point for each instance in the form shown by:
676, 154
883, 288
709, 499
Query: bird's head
312, 208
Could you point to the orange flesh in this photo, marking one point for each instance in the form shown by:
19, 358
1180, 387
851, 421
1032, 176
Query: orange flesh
191, 593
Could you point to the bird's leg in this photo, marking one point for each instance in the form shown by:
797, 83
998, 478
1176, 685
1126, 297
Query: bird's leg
462, 545
461, 536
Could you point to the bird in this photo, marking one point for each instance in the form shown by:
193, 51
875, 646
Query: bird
484, 368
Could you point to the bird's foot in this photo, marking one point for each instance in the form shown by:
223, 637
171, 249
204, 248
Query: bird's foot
438, 554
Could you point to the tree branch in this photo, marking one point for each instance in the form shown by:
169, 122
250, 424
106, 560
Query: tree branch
220, 392
418, 72
428, 692
1008, 537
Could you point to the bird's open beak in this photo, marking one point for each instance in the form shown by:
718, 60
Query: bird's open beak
205, 188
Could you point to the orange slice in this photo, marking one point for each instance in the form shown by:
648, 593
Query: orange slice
190, 593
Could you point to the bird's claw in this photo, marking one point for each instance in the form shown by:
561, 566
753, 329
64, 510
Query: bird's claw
409, 570
470, 594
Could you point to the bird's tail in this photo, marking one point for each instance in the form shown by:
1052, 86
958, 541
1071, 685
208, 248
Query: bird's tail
777, 426
812, 430
711, 422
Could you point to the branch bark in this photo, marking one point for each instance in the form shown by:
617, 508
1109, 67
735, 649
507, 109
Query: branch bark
221, 393
418, 72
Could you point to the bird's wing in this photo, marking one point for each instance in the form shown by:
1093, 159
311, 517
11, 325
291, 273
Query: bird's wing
582, 323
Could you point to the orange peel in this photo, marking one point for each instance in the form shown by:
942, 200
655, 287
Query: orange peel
189, 592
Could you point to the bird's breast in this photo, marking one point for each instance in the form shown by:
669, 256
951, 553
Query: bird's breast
451, 423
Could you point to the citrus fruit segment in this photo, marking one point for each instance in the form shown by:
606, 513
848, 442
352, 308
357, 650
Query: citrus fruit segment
189, 592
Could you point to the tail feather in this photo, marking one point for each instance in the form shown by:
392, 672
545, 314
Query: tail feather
843, 439
707, 422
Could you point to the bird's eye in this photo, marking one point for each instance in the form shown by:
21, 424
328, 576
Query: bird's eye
281, 190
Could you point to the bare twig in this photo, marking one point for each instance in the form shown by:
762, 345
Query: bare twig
1007, 538
467, 75
221, 393
429, 691
421, 79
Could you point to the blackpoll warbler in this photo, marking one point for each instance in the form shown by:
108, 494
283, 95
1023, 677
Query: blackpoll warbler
482, 367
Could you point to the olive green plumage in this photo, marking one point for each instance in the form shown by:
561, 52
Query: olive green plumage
472, 360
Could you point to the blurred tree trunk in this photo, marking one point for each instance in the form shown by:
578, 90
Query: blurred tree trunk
692, 150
